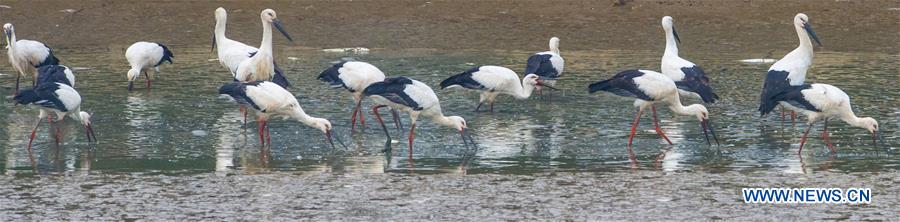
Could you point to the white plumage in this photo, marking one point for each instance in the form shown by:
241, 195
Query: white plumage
690, 79
355, 77
652, 88
493, 81
231, 53
790, 70
26, 55
261, 66
145, 57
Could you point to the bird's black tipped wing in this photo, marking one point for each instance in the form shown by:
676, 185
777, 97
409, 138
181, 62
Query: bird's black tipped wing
794, 95
540, 64
622, 84
238, 91
463, 79
332, 76
44, 96
52, 74
393, 89
776, 83
695, 80
279, 78
50, 60
167, 55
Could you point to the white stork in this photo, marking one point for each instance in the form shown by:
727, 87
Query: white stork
269, 100
493, 81
26, 55
145, 57
819, 102
57, 98
261, 66
651, 88
689, 77
232, 53
790, 70
548, 65
415, 98
355, 77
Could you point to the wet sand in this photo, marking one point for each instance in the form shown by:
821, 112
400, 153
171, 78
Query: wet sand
755, 27
639, 195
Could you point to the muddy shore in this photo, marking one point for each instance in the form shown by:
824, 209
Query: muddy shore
752, 26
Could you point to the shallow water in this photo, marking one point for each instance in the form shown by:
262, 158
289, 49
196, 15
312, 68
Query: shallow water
151, 130
181, 127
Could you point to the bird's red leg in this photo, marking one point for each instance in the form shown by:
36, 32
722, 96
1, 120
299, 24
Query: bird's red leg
412, 135
793, 117
378, 117
268, 135
148, 79
656, 124
637, 119
33, 132
803, 139
362, 117
262, 124
782, 114
825, 137
353, 117
244, 112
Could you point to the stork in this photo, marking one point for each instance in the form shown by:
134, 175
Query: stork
232, 53
260, 66
271, 100
57, 98
415, 98
651, 88
26, 55
145, 57
689, 77
790, 70
548, 65
493, 81
820, 102
355, 77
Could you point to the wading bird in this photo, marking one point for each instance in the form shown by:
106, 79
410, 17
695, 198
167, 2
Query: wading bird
232, 53
145, 57
270, 100
355, 77
548, 65
415, 98
689, 77
651, 88
493, 81
261, 66
791, 70
57, 98
26, 55
819, 102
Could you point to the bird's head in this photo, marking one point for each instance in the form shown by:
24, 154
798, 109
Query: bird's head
322, 124
133, 74
8, 30
269, 16
221, 14
88, 126
802, 21
869, 124
703, 115
669, 24
532, 79
457, 123
85, 118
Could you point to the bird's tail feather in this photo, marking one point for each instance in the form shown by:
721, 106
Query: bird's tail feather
706, 93
599, 86
280, 79
452, 80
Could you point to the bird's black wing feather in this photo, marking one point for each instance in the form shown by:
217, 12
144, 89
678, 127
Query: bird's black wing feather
463, 79
393, 89
695, 80
776, 83
52, 74
621, 84
794, 95
167, 55
332, 76
540, 65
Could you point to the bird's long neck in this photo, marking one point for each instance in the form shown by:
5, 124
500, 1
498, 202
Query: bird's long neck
671, 44
298, 114
523, 91
220, 27
678, 108
850, 118
266, 45
805, 47
554, 47
443, 120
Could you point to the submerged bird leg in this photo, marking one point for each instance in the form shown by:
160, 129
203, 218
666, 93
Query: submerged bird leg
244, 112
147, 75
803, 139
268, 135
353, 117
33, 132
262, 125
397, 122
412, 135
378, 117
825, 137
59, 131
782, 114
16, 93
656, 124
637, 119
